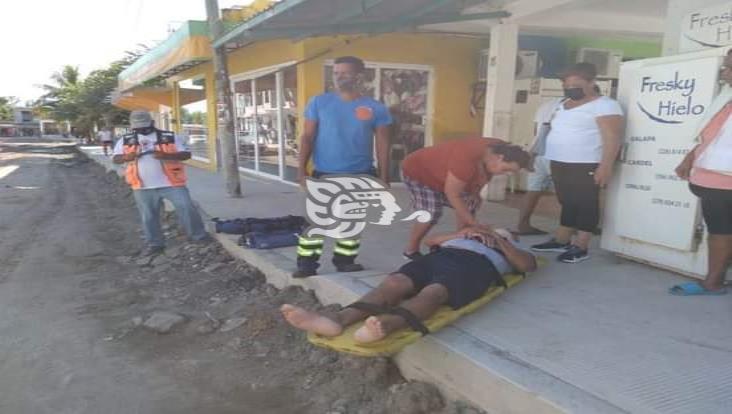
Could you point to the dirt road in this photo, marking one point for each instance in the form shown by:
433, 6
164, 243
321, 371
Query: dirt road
83, 320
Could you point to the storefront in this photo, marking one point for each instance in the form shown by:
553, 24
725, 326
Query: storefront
267, 128
440, 82
266, 114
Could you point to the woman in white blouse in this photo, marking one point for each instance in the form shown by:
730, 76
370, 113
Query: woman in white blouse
582, 145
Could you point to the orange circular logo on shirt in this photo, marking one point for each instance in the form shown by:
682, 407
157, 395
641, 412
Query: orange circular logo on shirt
364, 113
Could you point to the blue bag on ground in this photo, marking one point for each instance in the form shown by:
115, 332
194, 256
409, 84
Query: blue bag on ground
293, 224
268, 240
235, 226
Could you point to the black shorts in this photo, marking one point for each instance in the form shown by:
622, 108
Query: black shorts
466, 275
578, 194
716, 208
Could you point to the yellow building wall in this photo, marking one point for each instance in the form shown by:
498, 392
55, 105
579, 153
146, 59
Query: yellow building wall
452, 58
263, 54
454, 61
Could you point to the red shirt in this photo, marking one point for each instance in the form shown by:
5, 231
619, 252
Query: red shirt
429, 166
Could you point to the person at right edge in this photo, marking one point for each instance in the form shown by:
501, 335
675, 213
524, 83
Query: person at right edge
582, 146
708, 167
339, 133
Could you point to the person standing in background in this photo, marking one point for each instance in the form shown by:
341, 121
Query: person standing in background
582, 145
155, 171
708, 167
538, 181
339, 133
105, 137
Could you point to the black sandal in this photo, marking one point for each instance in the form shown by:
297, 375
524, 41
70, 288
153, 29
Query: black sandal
374, 309
370, 308
411, 319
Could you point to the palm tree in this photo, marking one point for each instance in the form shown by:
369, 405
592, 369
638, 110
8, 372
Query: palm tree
58, 100
68, 77
85, 102
6, 107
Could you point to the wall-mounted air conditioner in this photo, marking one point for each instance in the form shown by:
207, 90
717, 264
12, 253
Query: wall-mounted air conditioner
607, 61
527, 64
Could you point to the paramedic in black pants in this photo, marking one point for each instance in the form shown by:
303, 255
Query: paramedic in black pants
582, 145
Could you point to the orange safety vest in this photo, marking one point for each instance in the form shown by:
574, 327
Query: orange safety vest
165, 142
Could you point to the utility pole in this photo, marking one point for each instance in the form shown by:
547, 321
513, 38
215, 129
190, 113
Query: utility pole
224, 107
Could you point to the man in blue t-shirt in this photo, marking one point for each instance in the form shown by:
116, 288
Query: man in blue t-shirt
339, 134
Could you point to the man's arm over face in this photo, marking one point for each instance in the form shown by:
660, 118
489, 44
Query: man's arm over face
520, 259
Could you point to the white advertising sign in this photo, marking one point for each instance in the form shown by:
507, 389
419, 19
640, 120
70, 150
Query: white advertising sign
664, 104
707, 28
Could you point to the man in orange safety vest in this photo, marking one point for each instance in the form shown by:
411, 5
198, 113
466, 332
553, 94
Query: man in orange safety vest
155, 171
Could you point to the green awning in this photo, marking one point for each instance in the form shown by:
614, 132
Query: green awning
187, 47
300, 19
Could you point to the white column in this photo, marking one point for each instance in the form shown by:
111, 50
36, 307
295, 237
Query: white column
499, 95
279, 90
499, 81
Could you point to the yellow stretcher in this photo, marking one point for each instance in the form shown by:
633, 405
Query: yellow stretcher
399, 339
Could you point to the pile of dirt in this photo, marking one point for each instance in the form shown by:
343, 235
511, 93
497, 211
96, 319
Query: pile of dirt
204, 317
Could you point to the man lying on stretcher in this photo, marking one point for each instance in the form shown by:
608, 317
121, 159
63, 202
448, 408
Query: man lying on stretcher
460, 270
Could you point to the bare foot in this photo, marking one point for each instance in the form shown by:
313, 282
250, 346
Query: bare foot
372, 330
310, 321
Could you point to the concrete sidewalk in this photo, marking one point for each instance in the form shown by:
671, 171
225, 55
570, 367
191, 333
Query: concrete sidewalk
603, 336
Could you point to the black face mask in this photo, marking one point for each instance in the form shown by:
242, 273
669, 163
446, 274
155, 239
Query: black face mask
575, 94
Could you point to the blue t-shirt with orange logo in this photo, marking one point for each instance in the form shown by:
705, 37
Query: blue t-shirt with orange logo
344, 143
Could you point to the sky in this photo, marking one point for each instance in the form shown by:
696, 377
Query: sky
41, 36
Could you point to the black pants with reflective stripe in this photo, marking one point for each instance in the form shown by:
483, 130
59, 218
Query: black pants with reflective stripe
309, 250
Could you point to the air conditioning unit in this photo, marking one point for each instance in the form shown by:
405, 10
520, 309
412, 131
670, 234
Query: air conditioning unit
607, 61
527, 64
483, 65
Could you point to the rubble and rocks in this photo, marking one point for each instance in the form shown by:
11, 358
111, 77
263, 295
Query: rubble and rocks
415, 398
144, 261
163, 322
232, 324
233, 318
